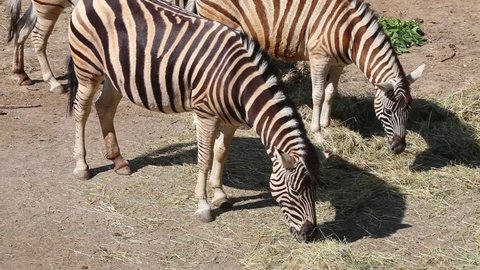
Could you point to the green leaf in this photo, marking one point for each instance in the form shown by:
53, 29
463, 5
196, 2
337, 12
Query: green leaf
403, 34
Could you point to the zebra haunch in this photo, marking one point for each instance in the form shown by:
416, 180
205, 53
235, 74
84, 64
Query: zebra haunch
330, 34
39, 19
167, 60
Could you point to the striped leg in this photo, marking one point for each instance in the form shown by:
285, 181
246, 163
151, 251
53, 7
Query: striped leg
331, 90
319, 66
43, 29
207, 129
22, 31
222, 145
18, 62
106, 106
82, 108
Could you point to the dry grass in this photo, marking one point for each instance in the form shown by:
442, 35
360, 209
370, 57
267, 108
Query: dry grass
436, 182
417, 210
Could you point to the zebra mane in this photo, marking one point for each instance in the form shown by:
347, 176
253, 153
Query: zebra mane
362, 7
260, 58
308, 152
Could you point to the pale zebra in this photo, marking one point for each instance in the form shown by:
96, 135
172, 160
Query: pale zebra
330, 34
167, 60
39, 19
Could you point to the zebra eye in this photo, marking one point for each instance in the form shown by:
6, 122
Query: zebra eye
388, 111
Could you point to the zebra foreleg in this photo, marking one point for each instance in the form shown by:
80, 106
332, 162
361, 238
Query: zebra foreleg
43, 29
330, 91
106, 106
207, 130
222, 145
319, 66
82, 108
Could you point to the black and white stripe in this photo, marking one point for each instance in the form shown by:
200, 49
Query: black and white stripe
171, 61
331, 34
39, 19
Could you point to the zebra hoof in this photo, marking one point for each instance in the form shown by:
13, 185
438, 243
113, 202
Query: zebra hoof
223, 203
123, 170
204, 215
58, 89
81, 174
25, 82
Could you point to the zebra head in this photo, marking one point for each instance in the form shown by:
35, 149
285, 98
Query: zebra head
392, 104
294, 188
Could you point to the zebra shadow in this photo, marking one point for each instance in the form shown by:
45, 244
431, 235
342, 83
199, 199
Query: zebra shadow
175, 154
450, 140
364, 205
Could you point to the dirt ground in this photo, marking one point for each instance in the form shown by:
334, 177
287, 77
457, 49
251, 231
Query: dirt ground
49, 220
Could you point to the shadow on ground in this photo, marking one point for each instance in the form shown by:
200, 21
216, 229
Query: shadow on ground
450, 140
365, 205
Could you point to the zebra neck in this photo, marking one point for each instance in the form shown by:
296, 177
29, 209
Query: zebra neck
279, 128
369, 48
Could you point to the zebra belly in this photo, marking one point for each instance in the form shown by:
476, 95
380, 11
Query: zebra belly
156, 98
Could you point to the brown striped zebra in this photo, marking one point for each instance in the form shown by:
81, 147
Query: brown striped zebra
168, 60
39, 19
330, 34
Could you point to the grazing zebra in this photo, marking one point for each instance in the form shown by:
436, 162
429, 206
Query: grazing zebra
40, 17
331, 34
167, 60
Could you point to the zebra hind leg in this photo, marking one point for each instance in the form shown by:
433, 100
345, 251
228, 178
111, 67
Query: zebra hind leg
106, 106
19, 32
18, 64
207, 130
222, 145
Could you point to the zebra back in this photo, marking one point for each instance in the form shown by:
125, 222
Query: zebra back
165, 59
331, 34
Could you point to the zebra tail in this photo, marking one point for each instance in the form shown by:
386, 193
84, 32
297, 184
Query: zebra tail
72, 86
191, 6
14, 9
24, 24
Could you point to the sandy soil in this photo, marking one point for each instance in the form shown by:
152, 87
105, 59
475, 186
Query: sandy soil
49, 220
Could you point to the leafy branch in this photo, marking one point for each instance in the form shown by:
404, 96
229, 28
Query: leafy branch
403, 34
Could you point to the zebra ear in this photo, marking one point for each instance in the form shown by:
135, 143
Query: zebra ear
417, 73
287, 161
385, 86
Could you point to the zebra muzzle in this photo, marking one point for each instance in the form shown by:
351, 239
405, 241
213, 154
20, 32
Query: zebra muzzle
305, 234
397, 144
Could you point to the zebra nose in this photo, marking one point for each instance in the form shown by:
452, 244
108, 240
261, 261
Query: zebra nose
306, 232
397, 144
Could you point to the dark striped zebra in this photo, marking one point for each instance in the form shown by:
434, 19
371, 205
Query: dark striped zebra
39, 19
167, 60
330, 34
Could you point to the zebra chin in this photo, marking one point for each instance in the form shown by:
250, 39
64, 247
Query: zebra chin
397, 144
305, 234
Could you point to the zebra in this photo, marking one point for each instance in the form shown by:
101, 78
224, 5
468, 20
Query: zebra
165, 59
330, 34
39, 19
